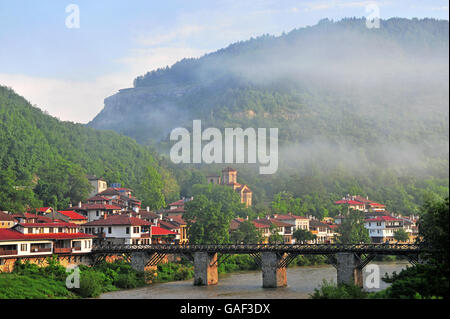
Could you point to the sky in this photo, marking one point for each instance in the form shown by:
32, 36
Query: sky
67, 65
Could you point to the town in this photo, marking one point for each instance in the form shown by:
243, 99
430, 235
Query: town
112, 215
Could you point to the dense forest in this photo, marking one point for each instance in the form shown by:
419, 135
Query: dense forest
359, 111
45, 161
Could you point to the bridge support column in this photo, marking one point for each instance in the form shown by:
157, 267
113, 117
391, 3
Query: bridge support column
273, 275
139, 260
347, 269
205, 269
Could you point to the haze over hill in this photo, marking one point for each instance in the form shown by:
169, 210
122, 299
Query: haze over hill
364, 96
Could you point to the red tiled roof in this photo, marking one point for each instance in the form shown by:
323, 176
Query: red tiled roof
350, 202
6, 217
98, 198
177, 203
376, 204
118, 220
179, 219
11, 234
383, 218
288, 216
100, 206
72, 215
42, 209
159, 231
55, 224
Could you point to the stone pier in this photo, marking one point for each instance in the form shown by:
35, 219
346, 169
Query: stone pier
273, 277
347, 269
139, 260
205, 269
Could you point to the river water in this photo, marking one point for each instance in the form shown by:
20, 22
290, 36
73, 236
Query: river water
248, 285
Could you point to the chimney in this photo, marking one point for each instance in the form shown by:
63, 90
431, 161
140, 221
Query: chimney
267, 217
79, 204
148, 208
105, 216
246, 217
257, 217
70, 204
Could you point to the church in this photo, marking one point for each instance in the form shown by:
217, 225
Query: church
229, 178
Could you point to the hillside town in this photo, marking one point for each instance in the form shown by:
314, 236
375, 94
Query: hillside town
112, 215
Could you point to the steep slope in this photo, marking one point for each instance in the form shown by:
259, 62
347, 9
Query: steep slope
335, 83
51, 158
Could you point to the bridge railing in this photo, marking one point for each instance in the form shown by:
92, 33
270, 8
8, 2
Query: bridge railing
307, 248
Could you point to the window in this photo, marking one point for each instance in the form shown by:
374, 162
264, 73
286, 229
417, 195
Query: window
127, 230
109, 230
97, 213
23, 247
50, 230
136, 230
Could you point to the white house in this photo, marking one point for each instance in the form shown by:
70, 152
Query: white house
120, 229
382, 228
36, 239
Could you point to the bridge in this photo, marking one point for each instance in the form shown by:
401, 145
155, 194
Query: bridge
348, 259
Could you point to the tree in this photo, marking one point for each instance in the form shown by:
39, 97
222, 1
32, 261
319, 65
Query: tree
275, 237
151, 189
430, 279
401, 235
303, 235
352, 230
209, 214
284, 203
246, 233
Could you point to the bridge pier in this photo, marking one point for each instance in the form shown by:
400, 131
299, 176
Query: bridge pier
205, 269
347, 268
139, 260
273, 275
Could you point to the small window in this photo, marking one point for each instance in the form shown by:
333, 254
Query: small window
127, 230
23, 247
109, 230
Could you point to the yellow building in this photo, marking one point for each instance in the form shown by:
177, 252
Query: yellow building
229, 178
6, 220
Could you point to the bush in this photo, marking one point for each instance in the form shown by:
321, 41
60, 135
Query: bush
91, 284
330, 290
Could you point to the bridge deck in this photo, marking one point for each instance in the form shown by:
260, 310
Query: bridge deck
390, 249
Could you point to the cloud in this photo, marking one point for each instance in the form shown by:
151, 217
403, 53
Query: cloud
81, 101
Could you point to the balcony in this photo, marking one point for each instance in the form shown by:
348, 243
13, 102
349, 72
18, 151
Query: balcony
40, 250
62, 250
8, 252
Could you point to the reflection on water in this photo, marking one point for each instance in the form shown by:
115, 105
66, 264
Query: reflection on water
247, 285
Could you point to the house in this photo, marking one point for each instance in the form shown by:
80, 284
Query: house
148, 215
266, 226
98, 211
69, 216
299, 222
6, 220
360, 203
98, 184
37, 239
323, 232
161, 235
382, 228
229, 178
122, 197
120, 229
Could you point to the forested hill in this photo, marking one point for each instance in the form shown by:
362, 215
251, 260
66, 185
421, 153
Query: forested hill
44, 161
336, 83
358, 109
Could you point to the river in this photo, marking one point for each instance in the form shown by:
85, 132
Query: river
247, 285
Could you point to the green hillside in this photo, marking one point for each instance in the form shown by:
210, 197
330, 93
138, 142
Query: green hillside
358, 110
45, 161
